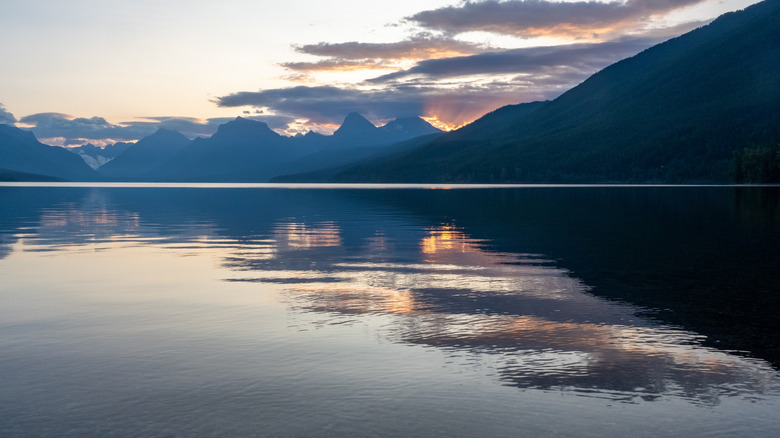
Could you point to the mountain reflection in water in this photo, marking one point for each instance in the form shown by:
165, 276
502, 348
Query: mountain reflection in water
532, 292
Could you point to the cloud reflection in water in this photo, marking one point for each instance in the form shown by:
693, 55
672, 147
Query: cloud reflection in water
538, 324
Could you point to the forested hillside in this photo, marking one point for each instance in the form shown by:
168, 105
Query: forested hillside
678, 112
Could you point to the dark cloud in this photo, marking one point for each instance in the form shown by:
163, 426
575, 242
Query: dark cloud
6, 118
335, 65
351, 56
329, 105
421, 46
582, 58
531, 18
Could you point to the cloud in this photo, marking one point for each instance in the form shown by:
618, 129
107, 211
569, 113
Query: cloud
420, 46
6, 118
354, 56
78, 130
582, 58
336, 64
48, 125
189, 126
326, 104
534, 18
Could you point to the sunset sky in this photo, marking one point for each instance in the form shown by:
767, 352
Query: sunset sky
101, 71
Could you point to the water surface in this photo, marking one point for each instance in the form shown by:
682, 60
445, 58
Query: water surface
263, 311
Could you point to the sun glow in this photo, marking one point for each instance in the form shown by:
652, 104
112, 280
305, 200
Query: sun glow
444, 126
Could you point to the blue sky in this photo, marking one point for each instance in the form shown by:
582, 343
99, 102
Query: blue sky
107, 70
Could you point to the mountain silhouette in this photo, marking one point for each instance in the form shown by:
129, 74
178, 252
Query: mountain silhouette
249, 150
21, 153
677, 112
240, 150
242, 129
325, 164
147, 154
406, 128
356, 130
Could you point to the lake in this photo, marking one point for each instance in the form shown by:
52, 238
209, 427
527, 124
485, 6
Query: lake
260, 310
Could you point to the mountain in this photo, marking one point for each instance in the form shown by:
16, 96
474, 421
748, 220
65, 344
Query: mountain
21, 153
96, 156
144, 156
496, 121
248, 150
311, 140
677, 112
325, 164
355, 142
406, 128
240, 150
355, 131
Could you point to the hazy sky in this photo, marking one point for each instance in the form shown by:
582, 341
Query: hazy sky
106, 70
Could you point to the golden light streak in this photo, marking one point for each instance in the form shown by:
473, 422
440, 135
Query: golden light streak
301, 236
446, 238
453, 111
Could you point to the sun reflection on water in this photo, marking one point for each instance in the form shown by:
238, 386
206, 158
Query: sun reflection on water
299, 235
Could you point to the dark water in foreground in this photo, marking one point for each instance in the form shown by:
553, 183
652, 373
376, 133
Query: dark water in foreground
587, 311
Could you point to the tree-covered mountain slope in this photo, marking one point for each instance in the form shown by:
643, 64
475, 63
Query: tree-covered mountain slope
677, 112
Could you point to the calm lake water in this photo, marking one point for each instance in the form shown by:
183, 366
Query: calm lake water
518, 311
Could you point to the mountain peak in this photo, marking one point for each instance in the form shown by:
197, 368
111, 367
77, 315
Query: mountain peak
166, 133
246, 128
242, 121
414, 126
355, 125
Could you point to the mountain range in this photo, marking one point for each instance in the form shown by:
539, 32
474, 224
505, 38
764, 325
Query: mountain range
702, 107
248, 150
240, 150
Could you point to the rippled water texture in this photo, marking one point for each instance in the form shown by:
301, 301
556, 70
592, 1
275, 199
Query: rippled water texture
259, 311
